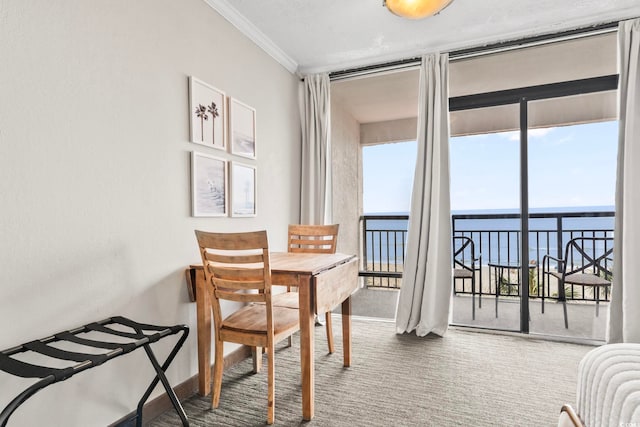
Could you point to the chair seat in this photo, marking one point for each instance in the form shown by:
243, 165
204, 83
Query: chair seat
461, 273
253, 319
582, 279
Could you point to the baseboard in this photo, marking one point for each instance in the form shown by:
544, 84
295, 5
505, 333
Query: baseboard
184, 390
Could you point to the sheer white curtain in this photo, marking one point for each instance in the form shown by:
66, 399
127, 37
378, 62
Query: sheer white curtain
425, 296
315, 116
624, 310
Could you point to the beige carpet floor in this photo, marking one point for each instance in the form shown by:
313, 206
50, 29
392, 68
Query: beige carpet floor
464, 379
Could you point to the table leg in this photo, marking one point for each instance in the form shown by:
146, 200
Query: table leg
346, 331
306, 304
256, 355
203, 310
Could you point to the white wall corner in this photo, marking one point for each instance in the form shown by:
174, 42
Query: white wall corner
253, 33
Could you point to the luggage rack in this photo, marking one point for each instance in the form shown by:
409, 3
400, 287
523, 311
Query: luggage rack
140, 335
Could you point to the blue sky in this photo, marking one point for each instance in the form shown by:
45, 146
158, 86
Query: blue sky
568, 166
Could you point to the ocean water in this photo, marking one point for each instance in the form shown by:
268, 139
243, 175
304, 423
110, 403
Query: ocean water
496, 239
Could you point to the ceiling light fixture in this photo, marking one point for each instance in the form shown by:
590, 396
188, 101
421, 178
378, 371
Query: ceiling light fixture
415, 9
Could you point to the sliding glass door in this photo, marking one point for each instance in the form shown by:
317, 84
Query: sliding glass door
545, 154
485, 204
572, 152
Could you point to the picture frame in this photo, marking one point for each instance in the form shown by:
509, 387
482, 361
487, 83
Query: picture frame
207, 114
209, 185
242, 125
243, 190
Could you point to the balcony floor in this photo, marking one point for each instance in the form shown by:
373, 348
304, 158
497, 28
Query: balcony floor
583, 323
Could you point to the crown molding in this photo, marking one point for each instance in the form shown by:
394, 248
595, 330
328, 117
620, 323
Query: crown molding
253, 33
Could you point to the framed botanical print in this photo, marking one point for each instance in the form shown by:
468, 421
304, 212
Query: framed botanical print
207, 112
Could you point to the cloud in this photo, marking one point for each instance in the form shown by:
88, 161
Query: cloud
511, 136
564, 140
533, 133
539, 133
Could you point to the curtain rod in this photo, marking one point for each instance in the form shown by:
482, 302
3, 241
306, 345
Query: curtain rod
543, 39
375, 69
476, 51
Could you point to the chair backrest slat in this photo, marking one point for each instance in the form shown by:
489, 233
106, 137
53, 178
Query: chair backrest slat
238, 297
233, 259
238, 285
233, 241
236, 272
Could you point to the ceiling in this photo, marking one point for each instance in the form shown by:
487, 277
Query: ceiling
314, 36
311, 36
393, 95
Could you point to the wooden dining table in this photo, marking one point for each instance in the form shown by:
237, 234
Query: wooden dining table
324, 281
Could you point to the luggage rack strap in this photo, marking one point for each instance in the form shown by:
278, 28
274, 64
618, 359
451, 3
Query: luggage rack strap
68, 336
102, 328
47, 350
26, 370
145, 326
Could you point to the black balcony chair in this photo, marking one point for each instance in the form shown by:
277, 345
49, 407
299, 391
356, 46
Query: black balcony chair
587, 262
465, 265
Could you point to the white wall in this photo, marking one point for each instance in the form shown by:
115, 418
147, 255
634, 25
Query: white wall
346, 177
95, 177
389, 131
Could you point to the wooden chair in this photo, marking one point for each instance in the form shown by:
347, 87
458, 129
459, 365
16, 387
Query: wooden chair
318, 239
587, 263
236, 265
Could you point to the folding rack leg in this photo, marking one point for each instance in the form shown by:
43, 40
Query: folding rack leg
160, 370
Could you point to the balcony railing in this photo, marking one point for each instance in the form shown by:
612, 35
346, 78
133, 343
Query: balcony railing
384, 238
497, 238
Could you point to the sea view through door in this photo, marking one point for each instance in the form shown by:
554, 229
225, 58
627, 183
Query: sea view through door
564, 202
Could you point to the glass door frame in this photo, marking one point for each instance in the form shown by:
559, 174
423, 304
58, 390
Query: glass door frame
522, 96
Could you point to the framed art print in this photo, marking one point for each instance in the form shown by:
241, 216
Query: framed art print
207, 112
243, 190
242, 125
208, 185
